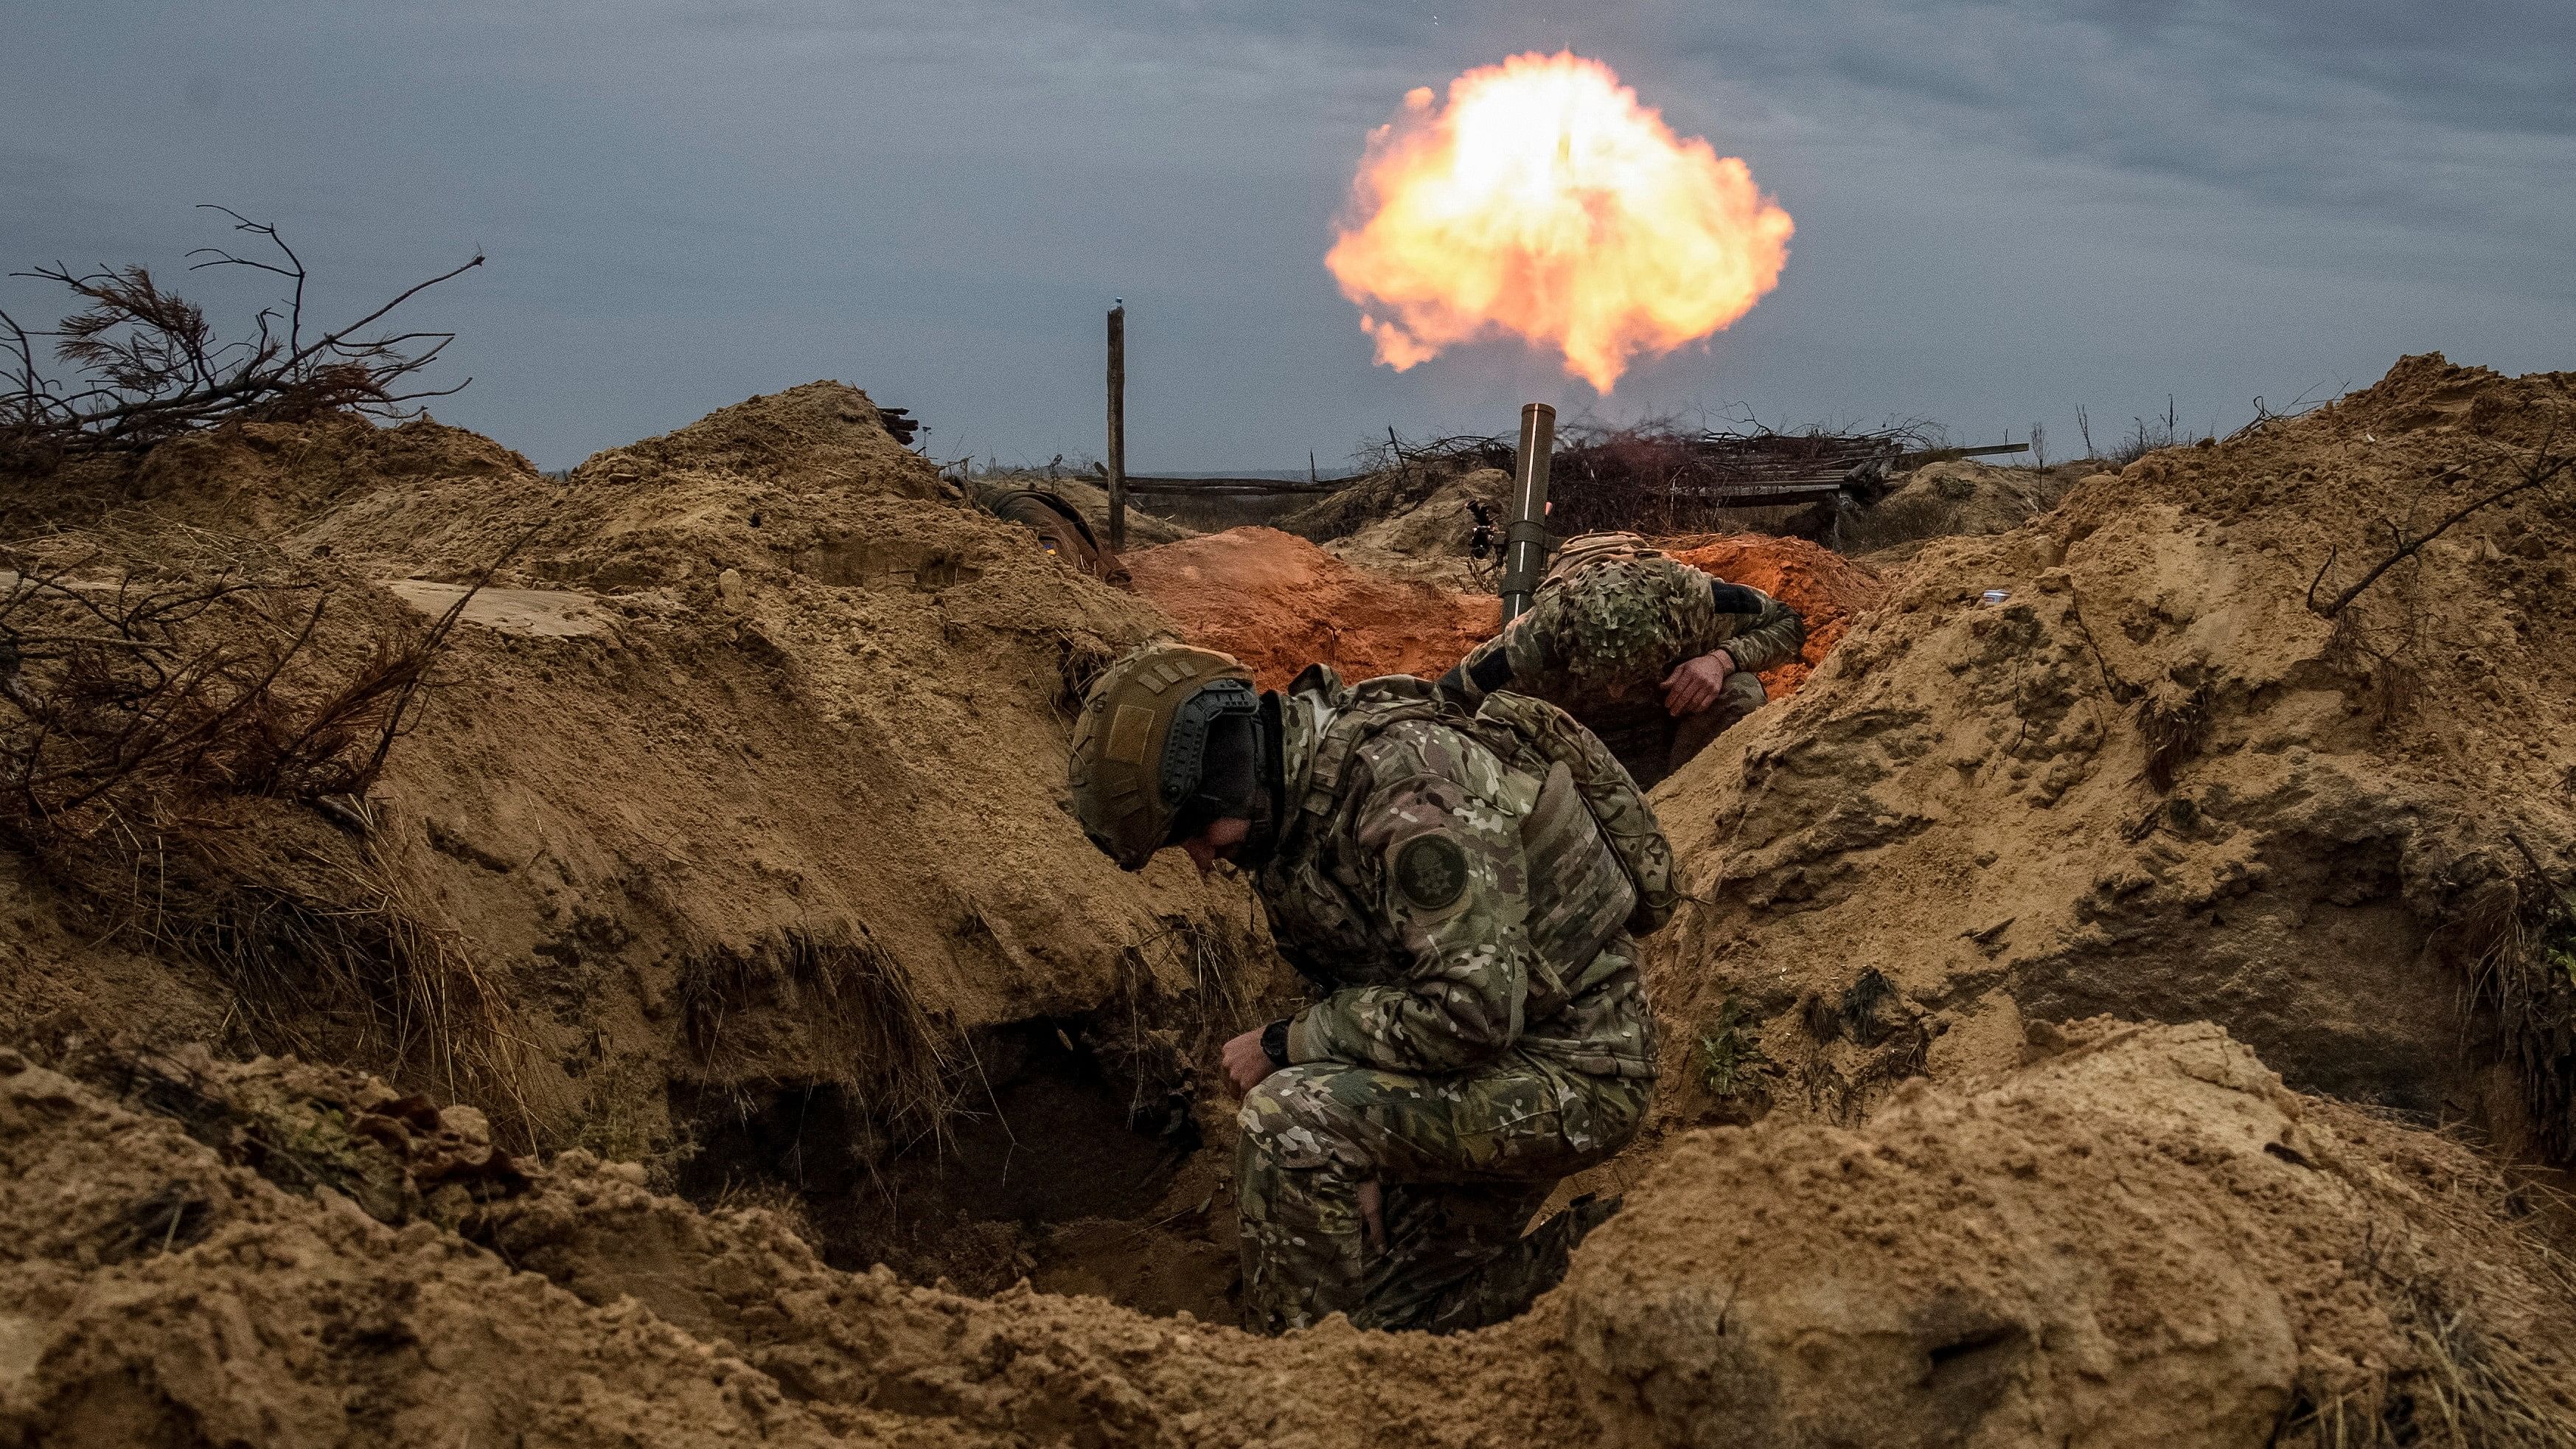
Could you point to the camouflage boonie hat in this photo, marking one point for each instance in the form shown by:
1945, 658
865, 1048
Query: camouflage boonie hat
1138, 747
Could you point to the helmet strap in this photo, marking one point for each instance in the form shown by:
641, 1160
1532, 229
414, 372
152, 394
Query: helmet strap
1270, 800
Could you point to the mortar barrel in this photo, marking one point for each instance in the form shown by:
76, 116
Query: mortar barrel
1525, 537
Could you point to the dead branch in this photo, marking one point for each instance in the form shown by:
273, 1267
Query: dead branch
147, 366
2543, 466
140, 699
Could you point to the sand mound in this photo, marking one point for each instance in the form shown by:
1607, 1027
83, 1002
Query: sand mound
1941, 500
1279, 603
253, 479
820, 435
1428, 539
742, 796
2144, 1240
2153, 781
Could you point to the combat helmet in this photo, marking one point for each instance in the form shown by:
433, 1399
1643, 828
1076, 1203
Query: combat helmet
1142, 759
1587, 549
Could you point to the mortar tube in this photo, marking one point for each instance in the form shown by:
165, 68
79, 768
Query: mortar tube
1525, 537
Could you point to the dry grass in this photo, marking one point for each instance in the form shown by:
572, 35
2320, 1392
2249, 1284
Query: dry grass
909, 1074
2175, 723
355, 972
1080, 657
1180, 996
2461, 1281
187, 737
1910, 519
769, 1195
2527, 973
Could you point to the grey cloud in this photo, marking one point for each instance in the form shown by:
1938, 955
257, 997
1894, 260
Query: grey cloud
2005, 207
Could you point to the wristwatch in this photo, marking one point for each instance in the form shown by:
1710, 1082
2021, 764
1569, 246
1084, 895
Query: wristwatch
1274, 1043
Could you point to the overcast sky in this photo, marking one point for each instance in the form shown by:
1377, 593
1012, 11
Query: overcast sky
2005, 208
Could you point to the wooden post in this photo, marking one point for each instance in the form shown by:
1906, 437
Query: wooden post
1118, 427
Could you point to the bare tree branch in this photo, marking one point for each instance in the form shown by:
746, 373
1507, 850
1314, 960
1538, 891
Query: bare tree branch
147, 366
2543, 466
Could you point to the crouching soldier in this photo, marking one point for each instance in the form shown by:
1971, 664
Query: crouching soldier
1465, 891
1652, 655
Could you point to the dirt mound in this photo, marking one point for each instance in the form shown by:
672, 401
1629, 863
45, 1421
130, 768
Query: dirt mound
1279, 603
1381, 494
2143, 1240
741, 798
1940, 500
585, 1310
253, 479
2154, 781
1428, 540
1440, 523
820, 435
1825, 588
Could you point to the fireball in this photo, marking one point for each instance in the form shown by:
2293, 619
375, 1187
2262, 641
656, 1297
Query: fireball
1544, 201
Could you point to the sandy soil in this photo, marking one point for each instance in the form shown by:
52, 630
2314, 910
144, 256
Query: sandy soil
2154, 781
730, 851
2140, 1239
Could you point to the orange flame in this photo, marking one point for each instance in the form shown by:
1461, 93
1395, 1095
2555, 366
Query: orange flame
1545, 201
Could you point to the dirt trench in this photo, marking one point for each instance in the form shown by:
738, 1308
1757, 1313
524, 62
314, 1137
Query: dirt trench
738, 818
731, 837
1062, 1163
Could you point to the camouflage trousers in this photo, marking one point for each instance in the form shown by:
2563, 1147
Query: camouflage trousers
1651, 743
1461, 1162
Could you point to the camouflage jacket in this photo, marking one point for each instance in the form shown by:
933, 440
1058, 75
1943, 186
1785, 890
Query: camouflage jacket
1402, 883
1600, 637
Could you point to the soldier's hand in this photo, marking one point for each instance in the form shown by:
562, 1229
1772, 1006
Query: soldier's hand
1695, 684
1246, 1064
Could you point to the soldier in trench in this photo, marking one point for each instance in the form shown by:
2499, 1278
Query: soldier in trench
1468, 914
1655, 657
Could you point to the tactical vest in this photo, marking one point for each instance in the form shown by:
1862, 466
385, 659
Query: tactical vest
1585, 796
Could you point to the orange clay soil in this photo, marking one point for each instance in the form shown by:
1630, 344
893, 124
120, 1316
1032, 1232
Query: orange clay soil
1824, 587
1279, 603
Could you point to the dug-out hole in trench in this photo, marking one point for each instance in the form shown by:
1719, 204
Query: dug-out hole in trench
1066, 1161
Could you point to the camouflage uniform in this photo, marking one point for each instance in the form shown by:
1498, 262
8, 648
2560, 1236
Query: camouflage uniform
1485, 1034
1610, 621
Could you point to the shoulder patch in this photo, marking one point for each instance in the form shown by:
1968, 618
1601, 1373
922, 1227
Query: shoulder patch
1431, 871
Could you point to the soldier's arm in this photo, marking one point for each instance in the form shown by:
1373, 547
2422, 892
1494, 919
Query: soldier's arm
1448, 872
1756, 630
1526, 658
1486, 668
